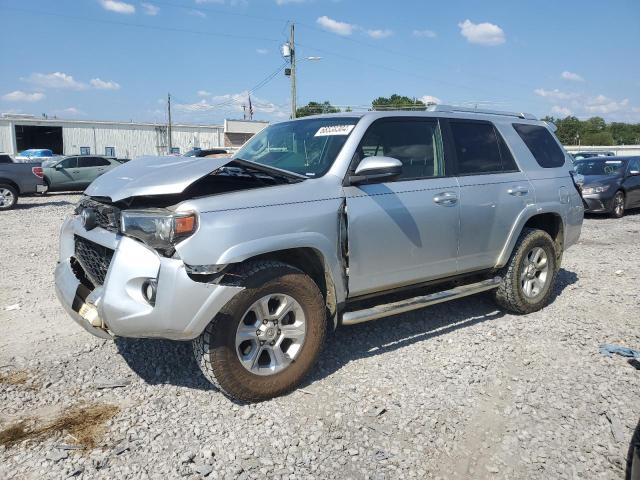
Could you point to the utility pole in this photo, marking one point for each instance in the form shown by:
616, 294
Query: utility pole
292, 59
169, 125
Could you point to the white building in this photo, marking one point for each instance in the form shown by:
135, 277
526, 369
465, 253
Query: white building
119, 139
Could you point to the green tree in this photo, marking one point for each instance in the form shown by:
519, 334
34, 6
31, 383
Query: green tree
397, 102
315, 108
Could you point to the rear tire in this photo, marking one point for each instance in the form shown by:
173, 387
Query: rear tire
8, 197
529, 276
250, 366
617, 209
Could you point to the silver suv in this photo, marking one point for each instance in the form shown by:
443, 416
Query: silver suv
317, 222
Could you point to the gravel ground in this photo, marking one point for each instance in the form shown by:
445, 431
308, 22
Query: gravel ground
459, 390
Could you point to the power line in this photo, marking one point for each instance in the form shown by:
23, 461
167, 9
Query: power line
141, 25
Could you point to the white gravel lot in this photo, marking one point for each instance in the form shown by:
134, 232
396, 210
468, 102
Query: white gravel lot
459, 390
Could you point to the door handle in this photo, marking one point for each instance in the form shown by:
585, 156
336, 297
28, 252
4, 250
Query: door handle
518, 191
446, 198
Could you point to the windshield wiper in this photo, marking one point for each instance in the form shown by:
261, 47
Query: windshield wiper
272, 171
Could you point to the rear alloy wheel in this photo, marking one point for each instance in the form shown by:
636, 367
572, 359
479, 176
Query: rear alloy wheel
528, 277
618, 205
266, 339
8, 197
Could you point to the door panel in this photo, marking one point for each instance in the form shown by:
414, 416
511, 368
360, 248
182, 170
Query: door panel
489, 207
399, 235
62, 178
493, 192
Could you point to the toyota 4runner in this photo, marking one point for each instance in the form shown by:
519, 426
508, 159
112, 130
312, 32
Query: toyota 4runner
317, 222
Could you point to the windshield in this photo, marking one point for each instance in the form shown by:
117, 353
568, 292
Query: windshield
307, 147
600, 167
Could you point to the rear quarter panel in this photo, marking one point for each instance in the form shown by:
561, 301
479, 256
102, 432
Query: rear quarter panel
554, 191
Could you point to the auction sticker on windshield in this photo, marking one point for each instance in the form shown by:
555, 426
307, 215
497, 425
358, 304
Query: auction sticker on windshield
330, 130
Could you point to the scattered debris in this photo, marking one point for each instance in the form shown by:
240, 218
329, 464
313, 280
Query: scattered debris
119, 383
305, 391
10, 308
203, 469
608, 349
56, 456
86, 423
616, 428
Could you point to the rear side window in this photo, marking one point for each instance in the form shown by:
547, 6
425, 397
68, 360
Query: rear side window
541, 144
480, 148
93, 162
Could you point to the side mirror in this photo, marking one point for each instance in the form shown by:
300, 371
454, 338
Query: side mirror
376, 169
58, 166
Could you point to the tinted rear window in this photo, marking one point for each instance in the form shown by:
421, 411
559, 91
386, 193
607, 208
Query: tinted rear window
541, 144
480, 148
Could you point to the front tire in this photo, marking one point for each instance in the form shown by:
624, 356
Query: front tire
617, 209
529, 276
8, 197
268, 337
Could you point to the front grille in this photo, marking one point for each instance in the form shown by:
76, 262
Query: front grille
93, 258
107, 216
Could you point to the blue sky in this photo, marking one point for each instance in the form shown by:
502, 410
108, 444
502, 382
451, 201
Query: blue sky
112, 59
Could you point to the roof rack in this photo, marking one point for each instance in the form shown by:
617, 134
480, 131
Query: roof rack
453, 109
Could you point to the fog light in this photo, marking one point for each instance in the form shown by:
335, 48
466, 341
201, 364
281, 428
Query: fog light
149, 291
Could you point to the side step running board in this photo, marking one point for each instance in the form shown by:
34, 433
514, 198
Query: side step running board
388, 309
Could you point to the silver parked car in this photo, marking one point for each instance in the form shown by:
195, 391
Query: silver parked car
317, 222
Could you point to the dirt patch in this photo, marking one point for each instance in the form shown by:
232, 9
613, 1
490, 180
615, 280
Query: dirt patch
18, 377
84, 424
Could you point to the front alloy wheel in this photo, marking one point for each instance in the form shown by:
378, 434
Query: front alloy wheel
267, 338
271, 334
618, 205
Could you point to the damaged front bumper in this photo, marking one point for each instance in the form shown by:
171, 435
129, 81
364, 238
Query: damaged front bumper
181, 309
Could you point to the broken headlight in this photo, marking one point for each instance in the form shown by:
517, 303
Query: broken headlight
159, 228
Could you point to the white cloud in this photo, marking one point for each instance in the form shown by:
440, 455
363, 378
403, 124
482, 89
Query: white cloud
198, 13
71, 111
380, 33
430, 99
555, 94
583, 105
487, 34
559, 110
424, 33
262, 51
104, 84
20, 96
604, 105
118, 7
55, 80
232, 102
150, 9
574, 77
202, 93
285, 2
334, 26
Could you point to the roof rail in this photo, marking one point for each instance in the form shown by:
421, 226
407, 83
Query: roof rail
454, 109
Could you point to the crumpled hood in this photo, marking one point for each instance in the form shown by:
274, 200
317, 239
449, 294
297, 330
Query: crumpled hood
151, 175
